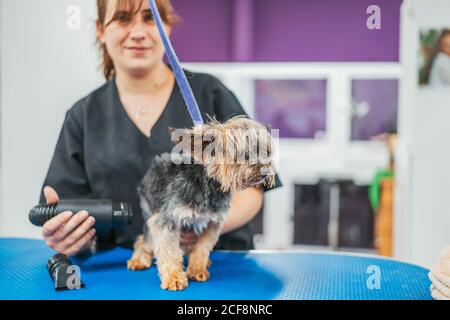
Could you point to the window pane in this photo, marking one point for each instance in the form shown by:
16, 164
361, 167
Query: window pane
296, 107
374, 107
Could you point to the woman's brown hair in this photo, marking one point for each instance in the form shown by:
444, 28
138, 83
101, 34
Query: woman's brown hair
165, 9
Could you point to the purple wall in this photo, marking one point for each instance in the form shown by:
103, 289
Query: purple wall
285, 30
204, 32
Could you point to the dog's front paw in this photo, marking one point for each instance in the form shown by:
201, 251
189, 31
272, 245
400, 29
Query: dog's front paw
175, 282
197, 274
136, 265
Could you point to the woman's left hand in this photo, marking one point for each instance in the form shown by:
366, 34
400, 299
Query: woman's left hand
188, 238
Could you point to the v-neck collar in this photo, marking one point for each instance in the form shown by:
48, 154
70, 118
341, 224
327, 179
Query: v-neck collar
157, 126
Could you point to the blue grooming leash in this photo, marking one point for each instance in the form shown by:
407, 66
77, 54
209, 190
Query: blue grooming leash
183, 83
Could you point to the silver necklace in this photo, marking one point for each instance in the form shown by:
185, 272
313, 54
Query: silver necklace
141, 111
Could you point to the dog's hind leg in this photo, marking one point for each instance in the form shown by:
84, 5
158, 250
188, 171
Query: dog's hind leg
199, 261
143, 252
169, 257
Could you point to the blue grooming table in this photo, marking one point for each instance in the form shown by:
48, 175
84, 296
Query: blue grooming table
244, 275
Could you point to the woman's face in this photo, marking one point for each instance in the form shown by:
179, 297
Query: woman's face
445, 45
132, 40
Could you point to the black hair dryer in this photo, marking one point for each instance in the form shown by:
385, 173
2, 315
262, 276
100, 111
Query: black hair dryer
108, 215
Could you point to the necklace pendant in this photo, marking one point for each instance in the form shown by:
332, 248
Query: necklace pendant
142, 110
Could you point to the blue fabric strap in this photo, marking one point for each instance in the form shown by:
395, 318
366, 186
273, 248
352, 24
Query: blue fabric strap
183, 83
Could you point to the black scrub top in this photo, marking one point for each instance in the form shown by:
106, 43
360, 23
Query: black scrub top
101, 153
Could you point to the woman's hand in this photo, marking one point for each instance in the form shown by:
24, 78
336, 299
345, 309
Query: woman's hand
188, 238
67, 233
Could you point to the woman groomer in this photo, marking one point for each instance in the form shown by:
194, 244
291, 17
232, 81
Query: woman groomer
110, 137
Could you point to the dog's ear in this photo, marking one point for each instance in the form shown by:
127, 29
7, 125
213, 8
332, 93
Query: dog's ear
201, 138
178, 136
194, 141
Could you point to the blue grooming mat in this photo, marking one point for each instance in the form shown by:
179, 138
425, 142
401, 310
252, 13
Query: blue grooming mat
238, 276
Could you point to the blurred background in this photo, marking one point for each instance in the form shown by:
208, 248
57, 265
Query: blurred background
363, 117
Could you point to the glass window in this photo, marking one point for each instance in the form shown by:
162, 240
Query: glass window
296, 107
374, 107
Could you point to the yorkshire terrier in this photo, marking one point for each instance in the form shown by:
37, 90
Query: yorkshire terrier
191, 191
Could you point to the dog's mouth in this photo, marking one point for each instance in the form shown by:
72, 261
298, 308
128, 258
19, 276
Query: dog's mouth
265, 178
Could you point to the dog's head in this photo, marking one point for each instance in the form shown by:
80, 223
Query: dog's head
237, 153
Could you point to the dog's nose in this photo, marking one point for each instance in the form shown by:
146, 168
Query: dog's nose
267, 171
268, 174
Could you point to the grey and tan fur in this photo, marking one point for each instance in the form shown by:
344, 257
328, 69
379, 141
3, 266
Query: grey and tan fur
192, 192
